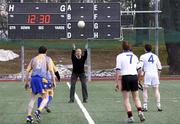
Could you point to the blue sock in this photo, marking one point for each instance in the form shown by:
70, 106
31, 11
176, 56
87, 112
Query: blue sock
39, 101
49, 100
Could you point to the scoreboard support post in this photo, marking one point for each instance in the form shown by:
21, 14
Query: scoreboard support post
22, 58
89, 63
22, 64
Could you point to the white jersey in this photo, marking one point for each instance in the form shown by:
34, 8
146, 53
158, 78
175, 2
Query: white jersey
150, 63
127, 63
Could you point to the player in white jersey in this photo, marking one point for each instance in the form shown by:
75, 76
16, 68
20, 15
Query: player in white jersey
152, 67
127, 80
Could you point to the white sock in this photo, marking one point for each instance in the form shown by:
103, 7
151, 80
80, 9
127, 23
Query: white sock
145, 105
158, 104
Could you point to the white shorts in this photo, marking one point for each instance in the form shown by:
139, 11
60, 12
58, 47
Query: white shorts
151, 80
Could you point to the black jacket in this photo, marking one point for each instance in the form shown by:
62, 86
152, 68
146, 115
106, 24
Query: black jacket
78, 64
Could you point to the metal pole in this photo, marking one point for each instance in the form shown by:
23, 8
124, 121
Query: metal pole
156, 30
22, 63
22, 58
89, 62
138, 12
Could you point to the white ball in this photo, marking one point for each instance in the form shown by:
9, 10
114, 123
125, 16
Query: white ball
81, 24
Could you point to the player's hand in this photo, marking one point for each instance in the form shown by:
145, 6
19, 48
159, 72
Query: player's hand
140, 86
26, 86
74, 46
54, 85
117, 87
86, 46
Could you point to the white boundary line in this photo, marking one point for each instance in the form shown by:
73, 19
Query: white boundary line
83, 109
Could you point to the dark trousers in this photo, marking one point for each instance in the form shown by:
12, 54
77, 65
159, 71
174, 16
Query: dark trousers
82, 78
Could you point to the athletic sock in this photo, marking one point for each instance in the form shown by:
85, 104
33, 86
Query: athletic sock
158, 104
129, 113
49, 100
139, 109
145, 105
29, 115
39, 101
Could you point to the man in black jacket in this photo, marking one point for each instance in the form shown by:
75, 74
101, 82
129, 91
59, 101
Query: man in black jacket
78, 61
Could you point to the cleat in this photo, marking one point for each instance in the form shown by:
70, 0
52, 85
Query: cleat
29, 120
47, 109
144, 109
37, 115
71, 101
141, 116
160, 110
130, 120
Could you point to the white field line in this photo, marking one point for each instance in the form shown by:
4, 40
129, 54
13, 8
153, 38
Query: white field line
83, 109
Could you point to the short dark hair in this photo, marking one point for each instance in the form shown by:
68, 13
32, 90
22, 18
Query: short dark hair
148, 47
126, 46
42, 49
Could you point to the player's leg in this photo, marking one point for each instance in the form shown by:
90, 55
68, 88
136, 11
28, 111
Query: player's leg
32, 100
125, 91
41, 90
127, 106
135, 94
41, 107
50, 97
46, 85
157, 96
155, 85
29, 118
137, 102
39, 101
145, 98
84, 87
73, 86
147, 83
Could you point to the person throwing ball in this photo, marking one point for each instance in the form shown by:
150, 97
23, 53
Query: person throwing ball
78, 61
127, 80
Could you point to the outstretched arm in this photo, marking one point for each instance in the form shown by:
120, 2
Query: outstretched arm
73, 51
51, 70
85, 54
28, 70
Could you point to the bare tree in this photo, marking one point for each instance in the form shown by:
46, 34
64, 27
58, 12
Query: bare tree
171, 23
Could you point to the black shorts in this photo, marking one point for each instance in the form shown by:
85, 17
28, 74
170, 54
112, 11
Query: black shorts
129, 83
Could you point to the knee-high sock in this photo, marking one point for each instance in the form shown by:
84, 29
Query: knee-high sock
49, 100
39, 101
43, 103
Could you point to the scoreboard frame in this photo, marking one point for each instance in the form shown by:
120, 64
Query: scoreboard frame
103, 21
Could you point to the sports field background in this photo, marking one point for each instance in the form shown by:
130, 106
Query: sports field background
104, 106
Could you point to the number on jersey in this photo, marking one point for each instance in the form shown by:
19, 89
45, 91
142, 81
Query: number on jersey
130, 55
151, 59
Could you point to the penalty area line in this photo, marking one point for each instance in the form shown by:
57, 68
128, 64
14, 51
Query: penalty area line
83, 109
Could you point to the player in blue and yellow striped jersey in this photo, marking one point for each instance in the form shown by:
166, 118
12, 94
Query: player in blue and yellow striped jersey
49, 86
39, 66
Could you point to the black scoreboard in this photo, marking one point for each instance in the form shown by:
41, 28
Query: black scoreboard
59, 20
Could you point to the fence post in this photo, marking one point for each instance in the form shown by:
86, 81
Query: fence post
156, 30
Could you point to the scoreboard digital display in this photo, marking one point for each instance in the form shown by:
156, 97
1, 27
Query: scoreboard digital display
59, 20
